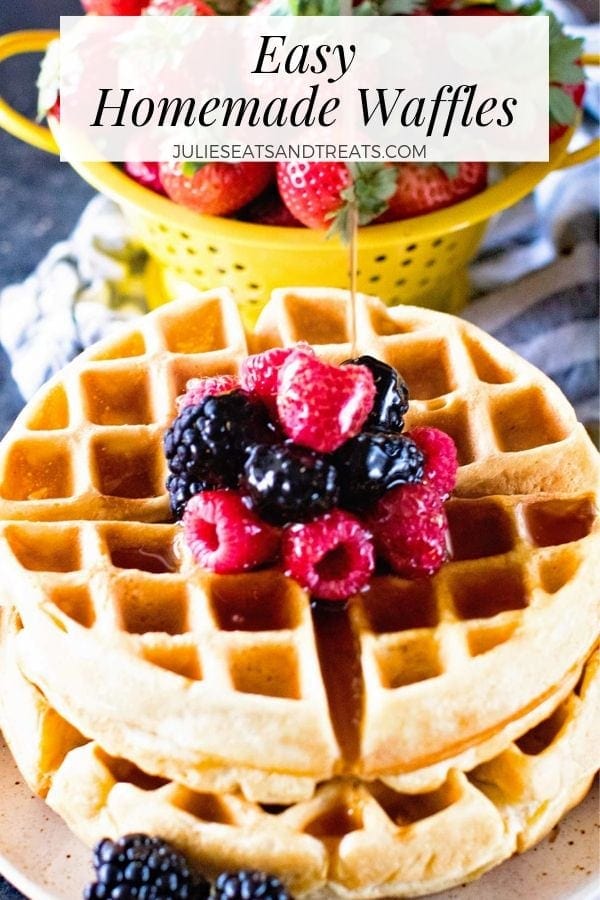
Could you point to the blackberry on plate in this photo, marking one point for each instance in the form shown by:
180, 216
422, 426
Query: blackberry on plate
140, 867
248, 885
206, 444
288, 483
371, 463
391, 399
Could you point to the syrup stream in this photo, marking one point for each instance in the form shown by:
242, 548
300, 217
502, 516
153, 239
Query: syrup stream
353, 267
339, 658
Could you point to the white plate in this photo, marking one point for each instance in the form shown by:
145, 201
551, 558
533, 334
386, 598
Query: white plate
41, 857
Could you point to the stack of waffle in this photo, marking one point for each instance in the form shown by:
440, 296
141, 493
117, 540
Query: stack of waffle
410, 741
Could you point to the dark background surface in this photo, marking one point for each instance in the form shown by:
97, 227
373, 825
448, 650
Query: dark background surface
41, 198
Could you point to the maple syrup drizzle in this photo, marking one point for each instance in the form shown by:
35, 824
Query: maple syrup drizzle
339, 658
353, 272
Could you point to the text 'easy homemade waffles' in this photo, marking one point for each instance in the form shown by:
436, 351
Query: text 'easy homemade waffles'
227, 683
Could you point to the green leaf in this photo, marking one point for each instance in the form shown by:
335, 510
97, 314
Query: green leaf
366, 8
563, 55
450, 169
373, 185
188, 10
282, 8
190, 168
562, 109
314, 7
400, 7
531, 9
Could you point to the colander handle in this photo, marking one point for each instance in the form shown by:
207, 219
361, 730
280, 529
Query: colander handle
10, 120
592, 148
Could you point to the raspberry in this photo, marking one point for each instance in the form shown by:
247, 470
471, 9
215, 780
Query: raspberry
410, 530
391, 400
287, 483
137, 865
224, 535
260, 373
441, 461
370, 464
198, 388
247, 885
206, 444
320, 405
332, 556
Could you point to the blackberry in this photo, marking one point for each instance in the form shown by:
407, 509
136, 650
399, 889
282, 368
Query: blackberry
206, 444
288, 483
181, 489
391, 400
142, 867
248, 885
371, 463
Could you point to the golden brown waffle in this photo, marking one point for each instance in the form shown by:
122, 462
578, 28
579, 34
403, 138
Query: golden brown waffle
191, 675
351, 838
514, 430
89, 445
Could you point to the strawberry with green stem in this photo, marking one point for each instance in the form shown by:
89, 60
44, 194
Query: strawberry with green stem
567, 78
422, 188
214, 189
323, 194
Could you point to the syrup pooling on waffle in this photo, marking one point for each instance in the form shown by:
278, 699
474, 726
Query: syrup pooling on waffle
414, 843
89, 445
227, 649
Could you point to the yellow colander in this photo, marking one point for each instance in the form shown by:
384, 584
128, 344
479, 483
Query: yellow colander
421, 260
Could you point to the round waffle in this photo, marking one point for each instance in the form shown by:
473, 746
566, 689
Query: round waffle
351, 838
191, 675
89, 444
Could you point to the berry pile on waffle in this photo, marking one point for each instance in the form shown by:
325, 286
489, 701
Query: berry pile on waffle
305, 462
193, 680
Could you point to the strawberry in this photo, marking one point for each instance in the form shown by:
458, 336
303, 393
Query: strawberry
114, 7
422, 188
145, 173
320, 194
179, 8
215, 189
269, 209
55, 109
